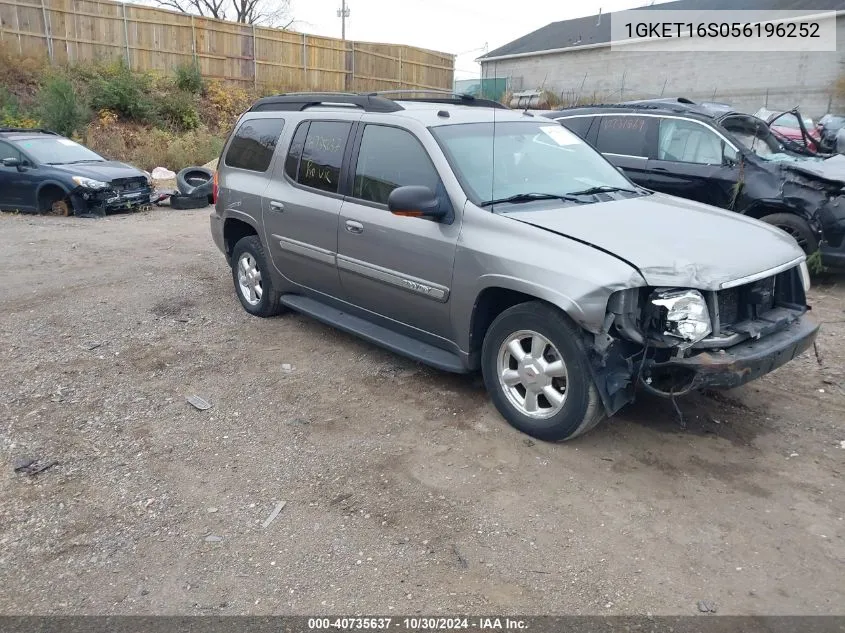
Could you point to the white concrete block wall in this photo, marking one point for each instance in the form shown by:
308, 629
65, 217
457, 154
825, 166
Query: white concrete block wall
741, 79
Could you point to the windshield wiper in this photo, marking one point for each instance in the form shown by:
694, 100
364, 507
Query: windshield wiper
530, 197
84, 160
600, 189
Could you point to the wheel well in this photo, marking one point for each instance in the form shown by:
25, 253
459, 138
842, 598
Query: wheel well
760, 211
490, 304
48, 194
234, 230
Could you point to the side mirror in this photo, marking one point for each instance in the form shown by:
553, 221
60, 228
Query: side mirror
12, 162
416, 202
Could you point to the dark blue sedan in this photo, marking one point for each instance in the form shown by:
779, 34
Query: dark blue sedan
41, 171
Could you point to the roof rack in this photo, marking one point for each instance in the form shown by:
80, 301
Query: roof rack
27, 129
455, 98
664, 106
302, 100
369, 102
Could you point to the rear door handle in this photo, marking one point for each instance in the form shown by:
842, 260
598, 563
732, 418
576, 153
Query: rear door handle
275, 205
354, 227
659, 169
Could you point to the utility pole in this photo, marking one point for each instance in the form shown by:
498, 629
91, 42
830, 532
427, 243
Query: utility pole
343, 13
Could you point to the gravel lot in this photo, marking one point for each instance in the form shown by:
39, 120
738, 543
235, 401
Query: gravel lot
405, 491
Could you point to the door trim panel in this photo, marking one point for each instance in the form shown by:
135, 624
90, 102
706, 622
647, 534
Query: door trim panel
421, 287
321, 255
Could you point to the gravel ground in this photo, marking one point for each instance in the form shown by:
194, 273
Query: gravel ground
405, 491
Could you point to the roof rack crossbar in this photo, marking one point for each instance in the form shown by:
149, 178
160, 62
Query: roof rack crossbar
304, 100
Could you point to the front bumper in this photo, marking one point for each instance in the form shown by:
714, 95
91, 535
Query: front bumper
87, 202
742, 363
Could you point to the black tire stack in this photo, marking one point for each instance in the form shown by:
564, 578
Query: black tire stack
194, 184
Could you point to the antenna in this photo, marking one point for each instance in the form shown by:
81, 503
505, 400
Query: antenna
598, 22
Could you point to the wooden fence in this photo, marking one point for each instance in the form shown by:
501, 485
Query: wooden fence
151, 39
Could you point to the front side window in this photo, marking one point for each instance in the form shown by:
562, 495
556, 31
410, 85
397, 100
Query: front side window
7, 151
512, 158
253, 144
623, 135
688, 142
322, 155
391, 158
753, 134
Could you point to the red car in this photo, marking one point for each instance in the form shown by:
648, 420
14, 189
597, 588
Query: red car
791, 126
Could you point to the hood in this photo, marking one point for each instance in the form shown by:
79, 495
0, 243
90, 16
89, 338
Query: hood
106, 171
672, 241
830, 169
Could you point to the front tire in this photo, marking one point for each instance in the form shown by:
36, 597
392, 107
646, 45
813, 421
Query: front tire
253, 282
537, 373
797, 228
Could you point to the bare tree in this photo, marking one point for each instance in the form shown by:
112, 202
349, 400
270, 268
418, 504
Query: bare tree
275, 13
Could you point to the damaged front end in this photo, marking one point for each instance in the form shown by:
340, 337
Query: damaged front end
671, 341
777, 179
94, 198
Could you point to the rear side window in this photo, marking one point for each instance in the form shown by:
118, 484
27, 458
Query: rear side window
580, 125
625, 135
322, 155
391, 158
295, 151
253, 145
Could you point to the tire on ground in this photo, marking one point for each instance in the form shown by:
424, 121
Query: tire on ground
182, 202
582, 407
269, 304
797, 227
195, 181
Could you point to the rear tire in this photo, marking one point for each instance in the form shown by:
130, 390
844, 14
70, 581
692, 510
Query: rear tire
252, 279
550, 393
797, 227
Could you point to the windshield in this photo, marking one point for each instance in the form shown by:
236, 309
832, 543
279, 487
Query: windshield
57, 151
525, 157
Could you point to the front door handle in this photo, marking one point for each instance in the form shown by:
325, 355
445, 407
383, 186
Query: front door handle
354, 227
275, 205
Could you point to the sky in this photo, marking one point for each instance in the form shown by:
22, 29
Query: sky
460, 27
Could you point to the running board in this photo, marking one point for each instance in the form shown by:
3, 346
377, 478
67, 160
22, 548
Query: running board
382, 336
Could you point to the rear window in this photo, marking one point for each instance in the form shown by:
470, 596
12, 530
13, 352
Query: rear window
580, 125
625, 135
253, 145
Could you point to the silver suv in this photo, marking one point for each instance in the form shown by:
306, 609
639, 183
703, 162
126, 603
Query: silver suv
469, 236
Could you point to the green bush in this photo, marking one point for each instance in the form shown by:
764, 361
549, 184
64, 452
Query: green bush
60, 107
179, 109
117, 88
189, 79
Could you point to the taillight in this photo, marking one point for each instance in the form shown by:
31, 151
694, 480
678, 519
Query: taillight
214, 189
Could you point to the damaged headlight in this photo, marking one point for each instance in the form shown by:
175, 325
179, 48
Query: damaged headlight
680, 314
90, 183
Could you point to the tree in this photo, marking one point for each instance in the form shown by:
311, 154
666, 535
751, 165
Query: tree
264, 12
